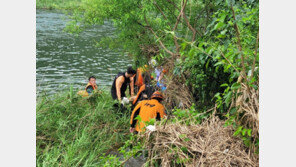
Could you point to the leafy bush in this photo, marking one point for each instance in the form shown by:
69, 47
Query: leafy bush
210, 49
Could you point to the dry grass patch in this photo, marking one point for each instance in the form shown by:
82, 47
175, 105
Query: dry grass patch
208, 144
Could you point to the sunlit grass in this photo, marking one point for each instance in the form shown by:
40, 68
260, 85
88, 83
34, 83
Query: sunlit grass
74, 131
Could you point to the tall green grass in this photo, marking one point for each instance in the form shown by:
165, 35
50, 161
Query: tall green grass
76, 131
57, 4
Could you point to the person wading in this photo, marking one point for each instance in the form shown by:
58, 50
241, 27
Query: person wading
147, 110
91, 85
120, 83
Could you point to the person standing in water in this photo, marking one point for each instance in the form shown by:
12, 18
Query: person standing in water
91, 85
120, 83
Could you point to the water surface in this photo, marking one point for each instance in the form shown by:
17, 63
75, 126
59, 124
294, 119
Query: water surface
63, 59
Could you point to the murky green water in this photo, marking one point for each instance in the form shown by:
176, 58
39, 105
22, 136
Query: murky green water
63, 59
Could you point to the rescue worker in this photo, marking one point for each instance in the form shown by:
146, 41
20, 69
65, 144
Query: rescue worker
91, 85
139, 80
145, 90
147, 110
120, 83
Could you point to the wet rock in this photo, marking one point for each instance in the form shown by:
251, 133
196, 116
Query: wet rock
135, 162
132, 162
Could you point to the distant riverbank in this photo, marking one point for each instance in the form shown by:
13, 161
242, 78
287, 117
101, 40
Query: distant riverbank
57, 4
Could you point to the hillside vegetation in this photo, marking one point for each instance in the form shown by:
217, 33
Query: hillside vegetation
210, 49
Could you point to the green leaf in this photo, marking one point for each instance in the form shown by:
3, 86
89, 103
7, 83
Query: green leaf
223, 32
218, 63
217, 26
184, 149
228, 98
237, 131
235, 86
191, 52
249, 132
183, 45
224, 85
207, 65
233, 110
222, 18
244, 132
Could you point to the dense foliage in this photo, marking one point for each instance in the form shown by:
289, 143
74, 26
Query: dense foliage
210, 49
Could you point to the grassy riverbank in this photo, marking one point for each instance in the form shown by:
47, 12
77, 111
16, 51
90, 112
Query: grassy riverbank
73, 131
210, 53
57, 4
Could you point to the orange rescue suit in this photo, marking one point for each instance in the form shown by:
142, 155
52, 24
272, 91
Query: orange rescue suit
142, 88
146, 109
139, 80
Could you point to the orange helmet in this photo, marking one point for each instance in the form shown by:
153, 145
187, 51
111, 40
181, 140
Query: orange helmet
157, 94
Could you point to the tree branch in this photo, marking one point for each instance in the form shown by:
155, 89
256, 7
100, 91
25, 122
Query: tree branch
158, 39
255, 55
194, 31
239, 42
175, 39
178, 20
154, 2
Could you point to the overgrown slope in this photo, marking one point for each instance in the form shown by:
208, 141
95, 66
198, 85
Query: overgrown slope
72, 131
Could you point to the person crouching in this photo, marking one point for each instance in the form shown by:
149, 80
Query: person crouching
147, 110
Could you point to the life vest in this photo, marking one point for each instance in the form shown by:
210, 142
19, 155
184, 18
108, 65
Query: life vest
123, 87
95, 87
140, 92
144, 89
139, 81
146, 109
84, 92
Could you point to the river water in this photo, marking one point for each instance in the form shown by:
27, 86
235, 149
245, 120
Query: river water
64, 59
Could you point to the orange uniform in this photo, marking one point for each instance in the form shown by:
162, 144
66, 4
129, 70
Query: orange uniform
146, 109
142, 88
139, 80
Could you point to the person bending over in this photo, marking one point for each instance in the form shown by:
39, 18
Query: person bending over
145, 90
120, 83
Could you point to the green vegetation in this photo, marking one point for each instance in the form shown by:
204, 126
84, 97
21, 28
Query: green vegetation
74, 131
209, 48
57, 4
